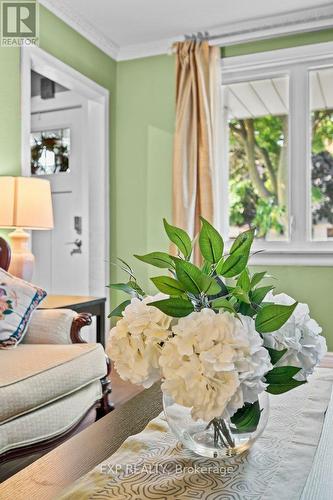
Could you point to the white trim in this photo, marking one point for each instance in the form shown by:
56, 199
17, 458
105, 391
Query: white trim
297, 21
96, 97
82, 26
153, 48
306, 53
292, 258
295, 63
305, 20
312, 19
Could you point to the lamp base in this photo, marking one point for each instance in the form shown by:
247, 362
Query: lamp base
22, 261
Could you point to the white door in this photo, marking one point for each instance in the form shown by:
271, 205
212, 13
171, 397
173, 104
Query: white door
62, 258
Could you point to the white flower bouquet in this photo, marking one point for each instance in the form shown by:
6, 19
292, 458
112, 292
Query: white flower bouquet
215, 335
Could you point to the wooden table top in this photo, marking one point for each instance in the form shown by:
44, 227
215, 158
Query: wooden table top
62, 301
50, 475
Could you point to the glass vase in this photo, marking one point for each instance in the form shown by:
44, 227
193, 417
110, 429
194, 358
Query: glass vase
218, 438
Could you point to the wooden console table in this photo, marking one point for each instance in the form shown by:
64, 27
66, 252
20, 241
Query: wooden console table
46, 478
80, 304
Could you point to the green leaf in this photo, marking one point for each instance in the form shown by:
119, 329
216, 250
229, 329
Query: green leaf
168, 285
180, 238
241, 295
157, 259
190, 276
281, 388
7, 312
176, 307
206, 268
244, 281
137, 289
275, 354
246, 419
127, 266
219, 266
210, 242
194, 280
223, 288
281, 374
246, 309
222, 303
132, 288
233, 265
258, 295
243, 242
239, 255
124, 287
124, 267
210, 286
280, 379
119, 309
256, 278
271, 317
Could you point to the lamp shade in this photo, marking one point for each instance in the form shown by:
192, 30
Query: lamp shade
26, 203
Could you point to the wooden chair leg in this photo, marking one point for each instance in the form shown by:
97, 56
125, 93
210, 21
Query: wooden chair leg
106, 406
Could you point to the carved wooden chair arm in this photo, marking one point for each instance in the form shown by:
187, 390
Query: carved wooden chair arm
81, 320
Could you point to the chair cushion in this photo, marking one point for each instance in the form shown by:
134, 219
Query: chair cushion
18, 300
49, 421
34, 375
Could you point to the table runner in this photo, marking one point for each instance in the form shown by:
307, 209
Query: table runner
153, 465
319, 485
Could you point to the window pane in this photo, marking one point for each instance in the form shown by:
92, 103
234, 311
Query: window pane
321, 102
258, 157
50, 151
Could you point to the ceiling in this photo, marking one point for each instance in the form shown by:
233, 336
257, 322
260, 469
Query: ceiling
128, 24
271, 96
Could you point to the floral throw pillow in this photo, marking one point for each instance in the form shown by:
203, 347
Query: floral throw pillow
18, 300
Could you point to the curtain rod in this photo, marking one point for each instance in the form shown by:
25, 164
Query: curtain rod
205, 36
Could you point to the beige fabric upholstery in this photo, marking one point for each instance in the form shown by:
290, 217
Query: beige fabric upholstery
49, 421
50, 326
34, 375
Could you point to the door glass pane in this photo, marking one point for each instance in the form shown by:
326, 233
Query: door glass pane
257, 113
321, 105
50, 151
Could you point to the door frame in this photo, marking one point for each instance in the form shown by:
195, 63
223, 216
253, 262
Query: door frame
97, 98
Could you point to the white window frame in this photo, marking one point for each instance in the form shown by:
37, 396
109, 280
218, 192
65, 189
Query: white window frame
296, 63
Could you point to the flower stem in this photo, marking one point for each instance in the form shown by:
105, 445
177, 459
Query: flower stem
222, 436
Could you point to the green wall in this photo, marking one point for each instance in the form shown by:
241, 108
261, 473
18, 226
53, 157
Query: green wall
145, 120
141, 128
282, 42
10, 143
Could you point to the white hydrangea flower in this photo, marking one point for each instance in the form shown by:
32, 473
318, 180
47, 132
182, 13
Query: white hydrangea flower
134, 343
214, 364
300, 335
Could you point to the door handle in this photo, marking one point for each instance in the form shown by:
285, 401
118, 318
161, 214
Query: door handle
78, 244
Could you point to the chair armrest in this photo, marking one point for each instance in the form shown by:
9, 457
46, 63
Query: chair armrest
56, 326
80, 320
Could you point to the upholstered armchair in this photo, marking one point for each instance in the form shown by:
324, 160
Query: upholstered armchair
51, 384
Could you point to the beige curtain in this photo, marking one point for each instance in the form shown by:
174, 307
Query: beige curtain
197, 135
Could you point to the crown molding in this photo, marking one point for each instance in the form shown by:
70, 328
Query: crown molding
298, 21
311, 19
82, 26
154, 48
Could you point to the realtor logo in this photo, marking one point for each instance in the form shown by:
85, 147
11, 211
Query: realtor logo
19, 23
